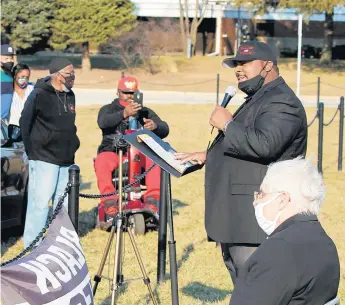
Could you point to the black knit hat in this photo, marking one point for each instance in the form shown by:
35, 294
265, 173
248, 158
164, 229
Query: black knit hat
58, 64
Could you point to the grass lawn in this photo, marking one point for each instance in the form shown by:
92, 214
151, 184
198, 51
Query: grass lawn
202, 276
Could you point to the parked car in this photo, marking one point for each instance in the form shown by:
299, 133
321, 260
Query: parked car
14, 177
309, 51
339, 52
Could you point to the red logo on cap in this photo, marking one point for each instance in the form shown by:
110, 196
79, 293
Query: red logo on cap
246, 50
128, 83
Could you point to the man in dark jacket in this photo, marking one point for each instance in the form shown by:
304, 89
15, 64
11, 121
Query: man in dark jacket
6, 87
269, 126
298, 263
113, 119
49, 134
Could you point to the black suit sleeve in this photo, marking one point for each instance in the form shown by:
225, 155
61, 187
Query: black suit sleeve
162, 129
27, 119
275, 128
271, 278
107, 118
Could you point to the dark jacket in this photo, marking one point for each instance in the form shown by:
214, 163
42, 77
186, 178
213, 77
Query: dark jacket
112, 122
297, 265
6, 89
48, 126
269, 126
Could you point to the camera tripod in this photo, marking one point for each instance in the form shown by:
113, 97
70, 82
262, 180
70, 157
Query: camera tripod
120, 223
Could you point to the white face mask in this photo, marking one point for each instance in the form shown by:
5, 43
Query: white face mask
265, 224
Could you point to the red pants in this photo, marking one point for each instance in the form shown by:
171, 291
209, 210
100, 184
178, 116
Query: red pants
106, 162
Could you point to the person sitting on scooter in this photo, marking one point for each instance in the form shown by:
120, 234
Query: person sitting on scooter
113, 119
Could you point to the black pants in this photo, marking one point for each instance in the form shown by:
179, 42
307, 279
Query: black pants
235, 256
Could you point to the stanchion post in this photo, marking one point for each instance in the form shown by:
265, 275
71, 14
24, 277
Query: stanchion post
73, 195
217, 101
341, 134
122, 74
318, 92
320, 139
172, 248
162, 228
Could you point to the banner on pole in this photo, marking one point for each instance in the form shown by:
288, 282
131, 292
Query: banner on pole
55, 273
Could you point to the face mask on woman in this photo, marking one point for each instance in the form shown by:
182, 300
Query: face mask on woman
23, 82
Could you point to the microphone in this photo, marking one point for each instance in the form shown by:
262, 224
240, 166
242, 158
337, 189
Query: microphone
230, 92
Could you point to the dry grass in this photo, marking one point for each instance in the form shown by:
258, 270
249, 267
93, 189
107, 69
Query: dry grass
203, 278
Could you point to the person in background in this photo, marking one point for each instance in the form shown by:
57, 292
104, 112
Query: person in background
7, 63
50, 138
22, 89
113, 120
298, 263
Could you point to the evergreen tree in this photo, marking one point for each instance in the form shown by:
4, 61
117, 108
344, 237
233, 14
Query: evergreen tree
85, 21
26, 22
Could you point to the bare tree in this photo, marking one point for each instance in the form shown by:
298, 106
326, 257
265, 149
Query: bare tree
189, 29
139, 46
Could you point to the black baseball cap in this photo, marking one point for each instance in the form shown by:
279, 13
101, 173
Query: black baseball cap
7, 50
251, 50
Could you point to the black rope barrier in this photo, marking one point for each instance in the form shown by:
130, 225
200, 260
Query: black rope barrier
59, 206
125, 187
334, 86
314, 118
40, 235
332, 119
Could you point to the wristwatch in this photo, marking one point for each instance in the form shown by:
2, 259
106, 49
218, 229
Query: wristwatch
226, 125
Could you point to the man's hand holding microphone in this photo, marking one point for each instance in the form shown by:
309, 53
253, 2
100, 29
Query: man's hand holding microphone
220, 119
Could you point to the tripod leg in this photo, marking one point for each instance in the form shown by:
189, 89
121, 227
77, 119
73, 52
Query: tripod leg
98, 276
143, 271
114, 287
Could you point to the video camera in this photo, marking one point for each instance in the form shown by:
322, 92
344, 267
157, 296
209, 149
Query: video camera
119, 142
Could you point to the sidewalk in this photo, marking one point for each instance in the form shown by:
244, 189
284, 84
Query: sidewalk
87, 97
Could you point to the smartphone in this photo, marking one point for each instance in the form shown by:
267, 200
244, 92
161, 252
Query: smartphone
138, 97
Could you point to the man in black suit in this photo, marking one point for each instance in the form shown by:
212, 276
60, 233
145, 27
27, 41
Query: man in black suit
269, 126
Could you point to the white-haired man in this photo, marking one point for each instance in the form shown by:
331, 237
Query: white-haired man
298, 262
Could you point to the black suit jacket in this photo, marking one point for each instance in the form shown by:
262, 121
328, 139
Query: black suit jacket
269, 126
297, 265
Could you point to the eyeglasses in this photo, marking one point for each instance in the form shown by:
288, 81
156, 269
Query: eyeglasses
260, 195
127, 92
69, 73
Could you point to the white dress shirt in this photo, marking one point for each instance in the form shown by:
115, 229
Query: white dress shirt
18, 105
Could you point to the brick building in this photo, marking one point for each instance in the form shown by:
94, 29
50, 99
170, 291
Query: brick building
218, 32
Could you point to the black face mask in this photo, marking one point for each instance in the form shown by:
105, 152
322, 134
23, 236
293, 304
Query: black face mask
68, 82
251, 86
7, 66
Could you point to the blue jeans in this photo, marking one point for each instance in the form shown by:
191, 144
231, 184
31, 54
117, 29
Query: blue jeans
46, 182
